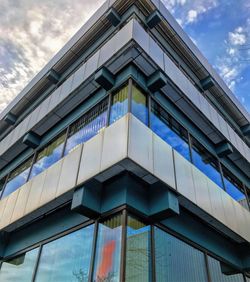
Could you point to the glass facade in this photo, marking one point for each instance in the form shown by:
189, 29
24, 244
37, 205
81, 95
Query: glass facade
119, 105
108, 250
205, 162
177, 261
169, 130
67, 258
48, 156
139, 105
20, 268
138, 262
87, 126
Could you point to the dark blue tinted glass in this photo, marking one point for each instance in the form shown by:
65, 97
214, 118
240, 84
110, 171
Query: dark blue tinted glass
169, 130
139, 105
108, 251
17, 178
48, 156
20, 268
204, 161
176, 261
87, 126
119, 105
138, 266
67, 258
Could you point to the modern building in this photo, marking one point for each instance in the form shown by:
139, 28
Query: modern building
125, 159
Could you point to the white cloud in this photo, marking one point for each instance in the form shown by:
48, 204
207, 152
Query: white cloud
192, 16
31, 32
237, 37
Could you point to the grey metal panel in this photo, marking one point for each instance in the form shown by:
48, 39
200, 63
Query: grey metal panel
184, 177
106, 50
5, 143
44, 106
204, 107
214, 117
201, 190
35, 193
91, 65
140, 145
163, 162
246, 226
223, 127
156, 53
66, 88
3, 203
215, 193
55, 96
241, 220
21, 202
9, 208
51, 183
140, 36
69, 171
90, 163
78, 77
115, 143
34, 118
123, 36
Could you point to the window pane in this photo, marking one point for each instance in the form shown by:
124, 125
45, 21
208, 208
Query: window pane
177, 261
87, 126
17, 178
108, 250
137, 251
48, 156
139, 105
169, 130
234, 188
204, 161
119, 105
218, 276
20, 268
67, 258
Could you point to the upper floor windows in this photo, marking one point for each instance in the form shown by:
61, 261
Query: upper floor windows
139, 105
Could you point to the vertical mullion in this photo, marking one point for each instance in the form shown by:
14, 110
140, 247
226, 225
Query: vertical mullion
152, 250
222, 175
123, 248
109, 108
149, 110
247, 198
207, 268
130, 85
65, 141
32, 164
37, 263
190, 147
4, 185
92, 262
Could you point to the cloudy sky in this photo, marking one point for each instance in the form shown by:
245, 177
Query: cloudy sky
32, 31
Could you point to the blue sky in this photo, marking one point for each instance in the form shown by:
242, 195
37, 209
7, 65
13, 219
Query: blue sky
32, 31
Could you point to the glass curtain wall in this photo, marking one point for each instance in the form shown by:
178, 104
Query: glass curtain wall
20, 268
139, 105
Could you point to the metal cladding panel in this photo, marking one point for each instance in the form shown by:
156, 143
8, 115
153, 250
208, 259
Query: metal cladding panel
51, 183
21, 202
156, 53
34, 118
223, 127
35, 193
5, 143
204, 107
123, 36
69, 171
90, 163
214, 117
55, 96
140, 144
44, 107
215, 193
3, 203
115, 143
201, 190
78, 77
91, 65
184, 177
163, 162
241, 220
106, 50
246, 226
23, 127
9, 208
141, 37
66, 88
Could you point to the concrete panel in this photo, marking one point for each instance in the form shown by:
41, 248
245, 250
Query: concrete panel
9, 208
246, 226
241, 220
2, 207
201, 190
215, 193
163, 161
51, 183
184, 177
69, 171
21, 202
90, 163
115, 143
78, 77
35, 193
140, 145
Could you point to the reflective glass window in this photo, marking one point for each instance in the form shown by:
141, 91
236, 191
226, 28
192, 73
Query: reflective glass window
17, 178
177, 261
119, 104
137, 251
218, 276
87, 126
2, 182
20, 268
206, 163
169, 130
108, 250
67, 258
139, 105
234, 187
49, 155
